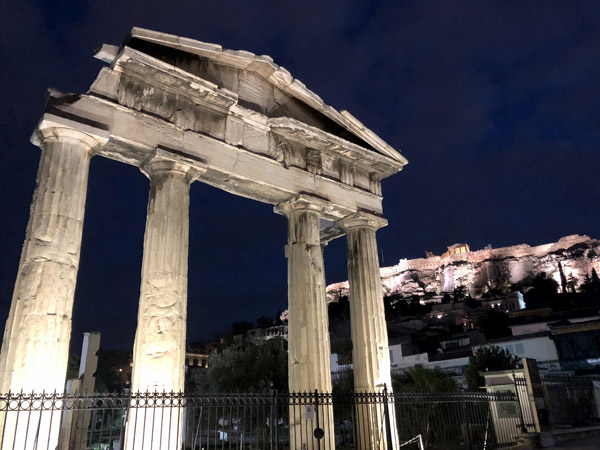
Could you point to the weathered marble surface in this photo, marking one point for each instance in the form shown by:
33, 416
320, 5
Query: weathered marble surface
180, 110
35, 347
159, 349
370, 350
308, 326
160, 339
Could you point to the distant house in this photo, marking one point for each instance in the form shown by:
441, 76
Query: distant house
195, 358
456, 249
512, 302
578, 344
264, 334
538, 346
545, 321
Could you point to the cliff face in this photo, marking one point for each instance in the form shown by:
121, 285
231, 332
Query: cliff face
575, 256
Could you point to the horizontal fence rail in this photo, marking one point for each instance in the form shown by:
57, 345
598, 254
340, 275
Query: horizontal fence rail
311, 421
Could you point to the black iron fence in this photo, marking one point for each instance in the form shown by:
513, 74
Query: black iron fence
458, 421
569, 401
319, 421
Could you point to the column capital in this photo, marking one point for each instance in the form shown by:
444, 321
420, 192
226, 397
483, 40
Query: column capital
164, 161
361, 219
303, 203
45, 134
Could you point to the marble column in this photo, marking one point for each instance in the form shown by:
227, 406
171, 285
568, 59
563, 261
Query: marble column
35, 348
370, 352
308, 328
159, 348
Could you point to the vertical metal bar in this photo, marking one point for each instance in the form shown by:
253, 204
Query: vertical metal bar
5, 418
111, 414
316, 406
523, 429
386, 412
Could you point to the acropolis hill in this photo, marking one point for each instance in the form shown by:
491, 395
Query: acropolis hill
574, 255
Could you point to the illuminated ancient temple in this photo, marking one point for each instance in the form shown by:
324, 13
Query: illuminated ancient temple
185, 111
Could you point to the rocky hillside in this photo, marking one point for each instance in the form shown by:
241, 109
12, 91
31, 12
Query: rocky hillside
567, 261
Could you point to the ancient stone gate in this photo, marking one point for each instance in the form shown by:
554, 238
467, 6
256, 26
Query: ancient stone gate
185, 111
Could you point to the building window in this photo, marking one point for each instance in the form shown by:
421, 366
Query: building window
195, 362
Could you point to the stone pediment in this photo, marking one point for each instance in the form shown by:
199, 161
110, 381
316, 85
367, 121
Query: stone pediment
258, 84
252, 129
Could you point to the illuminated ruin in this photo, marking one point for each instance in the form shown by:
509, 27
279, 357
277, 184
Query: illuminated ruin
185, 111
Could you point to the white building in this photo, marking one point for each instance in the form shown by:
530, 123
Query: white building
536, 327
538, 346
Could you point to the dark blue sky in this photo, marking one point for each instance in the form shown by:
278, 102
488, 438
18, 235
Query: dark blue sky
495, 104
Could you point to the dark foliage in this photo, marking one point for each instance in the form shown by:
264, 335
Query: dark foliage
256, 367
419, 379
487, 358
494, 324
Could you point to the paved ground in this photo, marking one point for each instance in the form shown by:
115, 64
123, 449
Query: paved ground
580, 444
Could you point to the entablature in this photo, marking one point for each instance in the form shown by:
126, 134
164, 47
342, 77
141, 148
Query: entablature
144, 102
131, 136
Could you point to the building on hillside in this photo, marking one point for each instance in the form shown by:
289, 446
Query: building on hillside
556, 318
453, 352
513, 301
467, 339
453, 363
264, 334
578, 344
196, 358
537, 346
450, 354
455, 249
337, 367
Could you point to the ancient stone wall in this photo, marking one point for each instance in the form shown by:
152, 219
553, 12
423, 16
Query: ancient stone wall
575, 255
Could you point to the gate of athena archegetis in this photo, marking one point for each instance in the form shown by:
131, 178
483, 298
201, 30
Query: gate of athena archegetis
185, 111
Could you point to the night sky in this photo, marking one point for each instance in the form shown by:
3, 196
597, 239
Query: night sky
496, 105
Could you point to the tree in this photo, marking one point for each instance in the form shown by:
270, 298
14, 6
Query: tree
255, 367
487, 358
591, 284
459, 294
343, 382
572, 283
113, 370
419, 379
543, 290
341, 339
495, 288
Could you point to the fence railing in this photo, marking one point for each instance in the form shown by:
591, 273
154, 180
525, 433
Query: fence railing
569, 402
311, 421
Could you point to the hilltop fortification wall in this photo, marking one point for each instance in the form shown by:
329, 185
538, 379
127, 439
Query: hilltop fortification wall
574, 255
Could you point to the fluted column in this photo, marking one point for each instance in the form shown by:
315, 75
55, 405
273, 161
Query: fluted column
35, 348
370, 352
308, 326
159, 349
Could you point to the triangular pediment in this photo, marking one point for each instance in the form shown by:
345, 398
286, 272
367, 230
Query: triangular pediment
260, 85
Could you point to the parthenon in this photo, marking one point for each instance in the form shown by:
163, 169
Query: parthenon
185, 111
